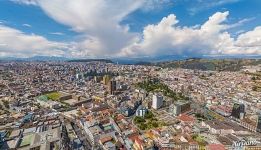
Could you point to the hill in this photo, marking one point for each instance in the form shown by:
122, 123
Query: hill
91, 60
210, 64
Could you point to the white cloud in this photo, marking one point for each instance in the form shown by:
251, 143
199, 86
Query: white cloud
250, 38
26, 2
16, 43
2, 22
156, 4
201, 5
98, 21
210, 38
99, 24
241, 22
56, 33
27, 25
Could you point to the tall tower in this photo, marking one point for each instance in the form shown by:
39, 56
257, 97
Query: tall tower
238, 111
157, 101
65, 141
258, 128
112, 87
106, 79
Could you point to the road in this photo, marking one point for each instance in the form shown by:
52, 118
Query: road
83, 138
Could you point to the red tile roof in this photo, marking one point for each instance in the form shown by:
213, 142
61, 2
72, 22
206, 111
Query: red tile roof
105, 139
186, 118
216, 147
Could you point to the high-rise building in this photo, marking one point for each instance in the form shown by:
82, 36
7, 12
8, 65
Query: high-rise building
157, 101
258, 128
238, 111
180, 107
106, 79
112, 87
141, 111
79, 76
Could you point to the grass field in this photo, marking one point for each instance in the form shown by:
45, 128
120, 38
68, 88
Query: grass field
199, 139
54, 96
149, 121
26, 140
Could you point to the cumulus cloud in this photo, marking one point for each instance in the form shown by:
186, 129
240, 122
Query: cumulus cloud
211, 38
16, 43
250, 39
98, 22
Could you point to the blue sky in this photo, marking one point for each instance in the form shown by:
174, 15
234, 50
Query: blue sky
129, 28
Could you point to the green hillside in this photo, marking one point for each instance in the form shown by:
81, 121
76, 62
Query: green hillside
210, 64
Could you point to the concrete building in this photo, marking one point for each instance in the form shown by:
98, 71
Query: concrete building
157, 101
238, 111
141, 111
180, 107
112, 87
43, 140
106, 79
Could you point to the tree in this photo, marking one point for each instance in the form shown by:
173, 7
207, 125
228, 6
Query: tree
6, 104
155, 124
148, 115
138, 120
143, 126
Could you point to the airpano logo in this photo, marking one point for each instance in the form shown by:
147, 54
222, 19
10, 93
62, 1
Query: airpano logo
245, 143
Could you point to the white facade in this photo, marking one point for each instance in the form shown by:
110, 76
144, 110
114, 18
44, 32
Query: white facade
141, 112
157, 101
177, 110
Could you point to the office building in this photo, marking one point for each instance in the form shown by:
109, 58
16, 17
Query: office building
79, 76
157, 101
112, 87
180, 107
258, 128
106, 79
141, 111
238, 111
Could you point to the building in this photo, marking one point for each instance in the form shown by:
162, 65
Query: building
50, 139
157, 101
224, 127
141, 111
180, 107
1, 139
112, 87
258, 128
238, 111
126, 111
43, 101
106, 79
79, 76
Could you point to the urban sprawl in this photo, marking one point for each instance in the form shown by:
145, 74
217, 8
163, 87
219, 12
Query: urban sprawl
98, 105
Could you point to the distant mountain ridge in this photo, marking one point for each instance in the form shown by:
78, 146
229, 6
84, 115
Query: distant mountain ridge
91, 60
210, 64
35, 58
173, 61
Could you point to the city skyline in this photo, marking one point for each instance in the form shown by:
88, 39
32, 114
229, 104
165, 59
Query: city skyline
129, 28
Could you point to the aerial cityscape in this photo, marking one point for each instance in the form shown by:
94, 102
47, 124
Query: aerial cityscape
130, 75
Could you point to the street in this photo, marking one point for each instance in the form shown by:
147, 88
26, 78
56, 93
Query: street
83, 138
